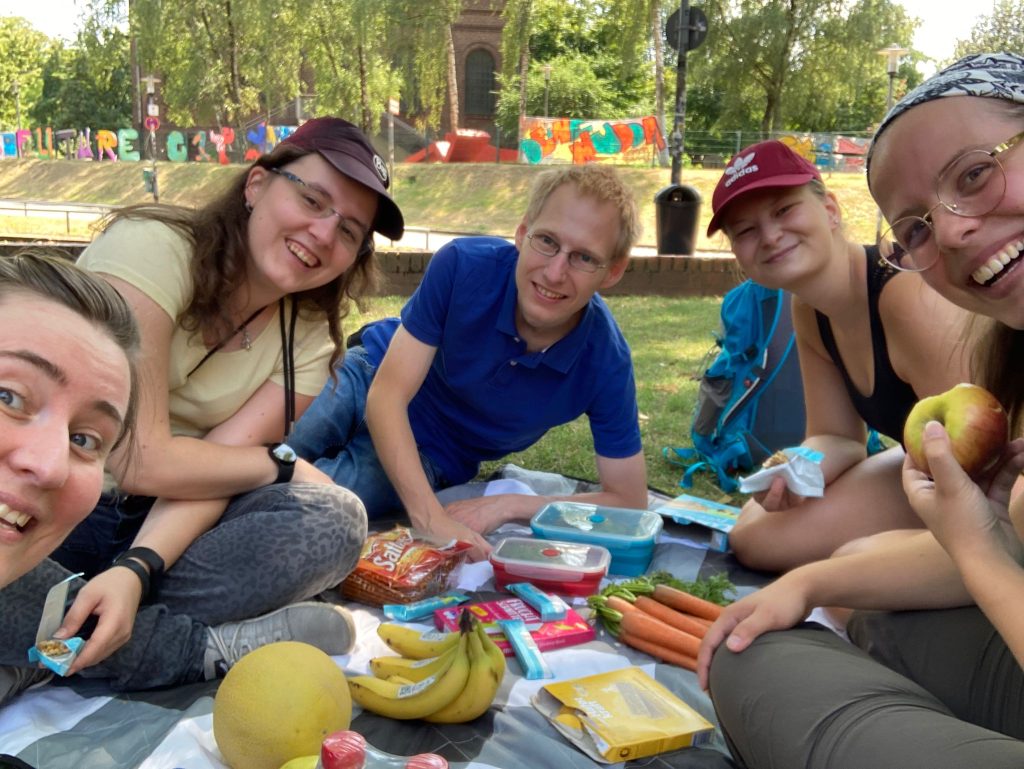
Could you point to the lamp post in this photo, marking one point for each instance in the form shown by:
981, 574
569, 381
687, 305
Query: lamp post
892, 54
546, 69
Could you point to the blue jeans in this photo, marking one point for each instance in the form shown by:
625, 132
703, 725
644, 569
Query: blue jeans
332, 434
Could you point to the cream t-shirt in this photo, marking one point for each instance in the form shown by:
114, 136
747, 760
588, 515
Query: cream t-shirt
154, 258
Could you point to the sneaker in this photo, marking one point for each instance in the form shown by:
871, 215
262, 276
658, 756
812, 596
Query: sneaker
329, 628
14, 680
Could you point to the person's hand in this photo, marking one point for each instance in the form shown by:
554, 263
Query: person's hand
444, 527
964, 515
778, 606
307, 472
113, 596
777, 497
485, 514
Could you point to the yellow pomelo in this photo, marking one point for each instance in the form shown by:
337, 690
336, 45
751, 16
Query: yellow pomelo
278, 703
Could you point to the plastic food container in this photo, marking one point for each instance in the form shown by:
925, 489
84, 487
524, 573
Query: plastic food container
573, 568
629, 535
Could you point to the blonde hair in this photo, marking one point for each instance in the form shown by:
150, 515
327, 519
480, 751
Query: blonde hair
599, 182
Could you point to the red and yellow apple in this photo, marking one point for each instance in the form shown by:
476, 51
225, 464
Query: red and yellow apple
974, 419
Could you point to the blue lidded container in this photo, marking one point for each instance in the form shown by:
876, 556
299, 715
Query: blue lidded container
629, 535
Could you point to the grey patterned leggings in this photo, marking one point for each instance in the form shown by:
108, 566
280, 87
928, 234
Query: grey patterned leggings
273, 546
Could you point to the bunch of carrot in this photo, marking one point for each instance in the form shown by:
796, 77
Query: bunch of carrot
661, 620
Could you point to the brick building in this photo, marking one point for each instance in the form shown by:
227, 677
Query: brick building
477, 39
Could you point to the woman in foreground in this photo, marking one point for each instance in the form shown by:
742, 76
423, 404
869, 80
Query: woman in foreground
872, 342
933, 677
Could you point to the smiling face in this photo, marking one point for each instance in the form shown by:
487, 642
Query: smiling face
551, 294
780, 235
291, 249
979, 264
64, 390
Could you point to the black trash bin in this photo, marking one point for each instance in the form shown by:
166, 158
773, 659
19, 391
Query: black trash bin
677, 211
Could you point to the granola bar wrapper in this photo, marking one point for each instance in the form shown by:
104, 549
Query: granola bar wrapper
399, 567
799, 466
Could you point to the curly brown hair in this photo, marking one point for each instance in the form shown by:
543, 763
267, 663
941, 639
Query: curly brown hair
220, 250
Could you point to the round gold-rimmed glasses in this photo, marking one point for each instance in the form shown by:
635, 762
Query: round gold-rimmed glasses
973, 184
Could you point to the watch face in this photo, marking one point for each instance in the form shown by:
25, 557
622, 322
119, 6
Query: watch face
285, 453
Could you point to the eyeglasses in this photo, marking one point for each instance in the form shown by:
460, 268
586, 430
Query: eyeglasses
548, 246
973, 184
315, 203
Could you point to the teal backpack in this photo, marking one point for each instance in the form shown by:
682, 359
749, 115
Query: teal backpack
751, 398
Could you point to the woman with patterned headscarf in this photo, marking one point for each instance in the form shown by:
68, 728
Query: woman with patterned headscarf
932, 674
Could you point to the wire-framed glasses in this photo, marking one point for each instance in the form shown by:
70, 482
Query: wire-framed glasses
547, 246
973, 184
317, 205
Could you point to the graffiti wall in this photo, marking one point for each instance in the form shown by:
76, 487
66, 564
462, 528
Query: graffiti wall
832, 152
568, 140
194, 145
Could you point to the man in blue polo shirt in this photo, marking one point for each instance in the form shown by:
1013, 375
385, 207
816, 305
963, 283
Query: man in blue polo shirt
498, 344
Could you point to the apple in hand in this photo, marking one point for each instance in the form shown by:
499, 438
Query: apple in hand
974, 419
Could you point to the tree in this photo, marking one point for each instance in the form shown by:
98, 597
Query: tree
87, 83
999, 31
23, 51
796, 64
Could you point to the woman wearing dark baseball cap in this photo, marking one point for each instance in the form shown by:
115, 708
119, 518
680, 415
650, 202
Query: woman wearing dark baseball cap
240, 304
871, 342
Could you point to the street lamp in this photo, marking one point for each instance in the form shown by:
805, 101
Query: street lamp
892, 54
546, 69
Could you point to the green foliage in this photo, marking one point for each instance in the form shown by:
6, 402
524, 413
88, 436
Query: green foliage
999, 31
87, 83
795, 64
23, 52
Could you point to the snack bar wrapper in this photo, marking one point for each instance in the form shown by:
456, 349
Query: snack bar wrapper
54, 653
800, 466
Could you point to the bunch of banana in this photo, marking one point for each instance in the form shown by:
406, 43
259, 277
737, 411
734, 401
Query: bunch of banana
447, 678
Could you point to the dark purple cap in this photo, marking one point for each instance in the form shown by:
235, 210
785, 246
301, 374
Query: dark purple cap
347, 149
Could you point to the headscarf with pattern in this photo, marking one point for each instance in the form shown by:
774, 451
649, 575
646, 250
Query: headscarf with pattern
994, 75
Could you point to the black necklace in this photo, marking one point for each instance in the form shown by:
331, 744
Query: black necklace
246, 340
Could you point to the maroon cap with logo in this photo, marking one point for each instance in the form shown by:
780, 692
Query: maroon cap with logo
767, 164
347, 149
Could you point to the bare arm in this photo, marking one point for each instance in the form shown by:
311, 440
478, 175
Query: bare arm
924, 334
623, 484
396, 382
833, 425
971, 520
164, 465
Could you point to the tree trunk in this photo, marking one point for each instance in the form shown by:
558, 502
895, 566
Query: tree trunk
453, 83
364, 96
659, 67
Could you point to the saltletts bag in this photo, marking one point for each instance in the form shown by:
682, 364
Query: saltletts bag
751, 399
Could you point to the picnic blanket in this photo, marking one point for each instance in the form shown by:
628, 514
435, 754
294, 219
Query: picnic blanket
78, 724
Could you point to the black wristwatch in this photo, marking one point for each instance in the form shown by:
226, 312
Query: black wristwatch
284, 457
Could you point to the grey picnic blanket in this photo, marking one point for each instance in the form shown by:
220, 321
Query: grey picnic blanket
82, 725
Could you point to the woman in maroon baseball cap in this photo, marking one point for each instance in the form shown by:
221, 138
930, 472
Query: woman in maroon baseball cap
871, 342
213, 519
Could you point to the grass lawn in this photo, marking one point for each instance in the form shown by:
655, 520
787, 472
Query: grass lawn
669, 338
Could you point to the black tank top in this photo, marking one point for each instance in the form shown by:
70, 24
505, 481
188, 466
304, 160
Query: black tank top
887, 407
